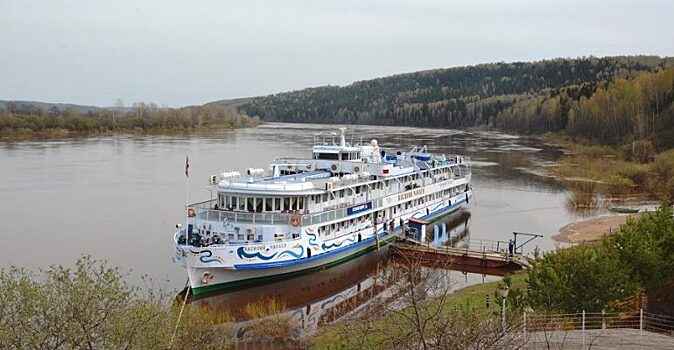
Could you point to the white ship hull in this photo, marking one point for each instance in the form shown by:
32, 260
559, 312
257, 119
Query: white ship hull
209, 270
228, 279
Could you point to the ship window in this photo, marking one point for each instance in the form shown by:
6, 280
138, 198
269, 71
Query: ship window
258, 204
241, 203
268, 204
328, 156
250, 204
286, 203
300, 204
277, 204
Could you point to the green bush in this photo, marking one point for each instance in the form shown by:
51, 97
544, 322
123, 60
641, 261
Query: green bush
646, 246
618, 185
584, 277
637, 173
91, 307
592, 277
663, 166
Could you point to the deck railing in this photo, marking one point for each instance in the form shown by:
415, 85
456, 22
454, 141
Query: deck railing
206, 212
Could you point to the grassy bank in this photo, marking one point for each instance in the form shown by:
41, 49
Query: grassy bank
471, 299
632, 171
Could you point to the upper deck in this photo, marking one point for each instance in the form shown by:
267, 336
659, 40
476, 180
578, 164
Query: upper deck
333, 167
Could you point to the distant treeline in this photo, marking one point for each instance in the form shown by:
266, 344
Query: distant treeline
608, 100
639, 107
27, 120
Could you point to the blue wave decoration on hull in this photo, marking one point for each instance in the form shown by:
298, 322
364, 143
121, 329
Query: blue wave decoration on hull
329, 246
292, 253
206, 259
312, 240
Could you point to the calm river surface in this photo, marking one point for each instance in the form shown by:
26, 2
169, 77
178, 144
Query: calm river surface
119, 197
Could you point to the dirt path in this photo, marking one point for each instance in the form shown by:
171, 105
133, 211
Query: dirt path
590, 230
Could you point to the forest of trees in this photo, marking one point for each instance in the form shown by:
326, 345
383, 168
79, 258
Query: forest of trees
607, 100
638, 107
22, 120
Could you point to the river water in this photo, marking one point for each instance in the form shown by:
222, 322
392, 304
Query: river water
119, 197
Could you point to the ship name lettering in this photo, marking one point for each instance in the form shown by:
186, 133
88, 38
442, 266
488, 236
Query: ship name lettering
261, 248
410, 194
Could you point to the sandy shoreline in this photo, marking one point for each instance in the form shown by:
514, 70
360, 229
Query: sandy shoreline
590, 230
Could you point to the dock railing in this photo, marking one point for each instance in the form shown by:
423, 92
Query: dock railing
474, 247
486, 245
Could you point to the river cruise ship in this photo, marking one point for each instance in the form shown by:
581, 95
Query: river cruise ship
303, 214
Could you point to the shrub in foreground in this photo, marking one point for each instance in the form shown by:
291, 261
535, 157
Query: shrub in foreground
91, 307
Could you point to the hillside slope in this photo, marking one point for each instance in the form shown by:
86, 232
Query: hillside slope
455, 97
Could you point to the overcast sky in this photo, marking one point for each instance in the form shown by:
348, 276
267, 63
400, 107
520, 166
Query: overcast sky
191, 52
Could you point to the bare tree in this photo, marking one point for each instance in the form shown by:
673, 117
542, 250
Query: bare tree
422, 316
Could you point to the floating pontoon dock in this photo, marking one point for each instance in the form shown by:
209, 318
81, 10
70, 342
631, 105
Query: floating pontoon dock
460, 256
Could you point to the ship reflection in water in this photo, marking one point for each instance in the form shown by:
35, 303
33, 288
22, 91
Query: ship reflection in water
350, 289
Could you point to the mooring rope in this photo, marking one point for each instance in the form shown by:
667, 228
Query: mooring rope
182, 308
180, 315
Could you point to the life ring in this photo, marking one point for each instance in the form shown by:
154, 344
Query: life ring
295, 220
191, 213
